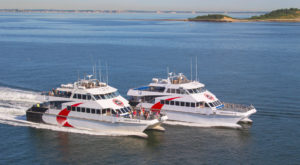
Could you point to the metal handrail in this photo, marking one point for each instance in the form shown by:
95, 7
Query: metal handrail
237, 107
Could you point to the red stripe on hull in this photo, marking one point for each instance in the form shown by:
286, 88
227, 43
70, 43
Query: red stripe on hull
62, 116
158, 106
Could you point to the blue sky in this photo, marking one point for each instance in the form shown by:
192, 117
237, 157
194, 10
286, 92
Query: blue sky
206, 5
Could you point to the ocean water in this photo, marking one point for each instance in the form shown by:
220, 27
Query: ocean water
247, 63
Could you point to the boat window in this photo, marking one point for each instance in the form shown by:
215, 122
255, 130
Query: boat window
84, 97
75, 96
103, 111
98, 111
211, 104
89, 97
93, 111
172, 102
167, 102
82, 109
190, 91
192, 104
113, 112
187, 104
123, 110
69, 108
182, 103
177, 103
195, 91
97, 97
162, 101
206, 105
197, 104
178, 91
118, 111
78, 109
173, 90
169, 90
73, 108
79, 96
88, 110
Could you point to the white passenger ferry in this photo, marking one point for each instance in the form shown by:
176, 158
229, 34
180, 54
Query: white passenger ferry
188, 101
92, 105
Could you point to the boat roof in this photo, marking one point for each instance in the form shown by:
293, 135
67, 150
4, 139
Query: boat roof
176, 81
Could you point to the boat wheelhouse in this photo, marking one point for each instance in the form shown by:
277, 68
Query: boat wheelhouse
93, 105
188, 101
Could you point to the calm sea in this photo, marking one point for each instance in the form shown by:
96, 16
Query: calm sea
247, 63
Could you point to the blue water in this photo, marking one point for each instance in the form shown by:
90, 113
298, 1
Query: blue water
248, 63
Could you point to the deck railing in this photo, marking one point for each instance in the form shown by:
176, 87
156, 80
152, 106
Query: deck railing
236, 107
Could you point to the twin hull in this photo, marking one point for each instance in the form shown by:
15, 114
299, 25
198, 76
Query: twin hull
100, 123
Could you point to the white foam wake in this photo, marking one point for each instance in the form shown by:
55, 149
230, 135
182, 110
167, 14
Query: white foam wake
15, 102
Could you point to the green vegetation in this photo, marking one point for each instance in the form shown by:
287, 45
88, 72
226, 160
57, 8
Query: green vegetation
210, 17
280, 14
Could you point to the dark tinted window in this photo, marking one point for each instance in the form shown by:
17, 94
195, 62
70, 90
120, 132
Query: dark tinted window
79, 96
206, 105
93, 111
182, 103
192, 104
113, 112
102, 96
78, 109
178, 91
75, 96
177, 103
197, 104
84, 97
211, 104
98, 111
97, 97
88, 110
103, 111
82, 109
172, 102
167, 102
187, 104
73, 108
69, 108
172, 90
168, 91
190, 91
162, 101
89, 97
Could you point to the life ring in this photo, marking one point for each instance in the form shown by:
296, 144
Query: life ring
118, 102
209, 96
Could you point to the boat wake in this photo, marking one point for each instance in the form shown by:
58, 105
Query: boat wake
15, 102
169, 122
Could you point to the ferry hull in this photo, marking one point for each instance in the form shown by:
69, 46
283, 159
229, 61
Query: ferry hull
213, 120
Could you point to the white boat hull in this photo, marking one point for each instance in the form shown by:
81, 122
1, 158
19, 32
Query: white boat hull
202, 119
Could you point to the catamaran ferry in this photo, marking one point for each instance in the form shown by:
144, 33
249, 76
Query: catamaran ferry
92, 105
188, 101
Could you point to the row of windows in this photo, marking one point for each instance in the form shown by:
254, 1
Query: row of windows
107, 96
182, 91
216, 103
196, 90
186, 104
83, 97
98, 111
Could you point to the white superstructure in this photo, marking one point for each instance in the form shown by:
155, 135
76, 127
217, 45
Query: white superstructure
93, 105
188, 101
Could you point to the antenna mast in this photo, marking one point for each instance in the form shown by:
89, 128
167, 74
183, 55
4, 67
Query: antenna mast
196, 68
191, 69
106, 74
99, 70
